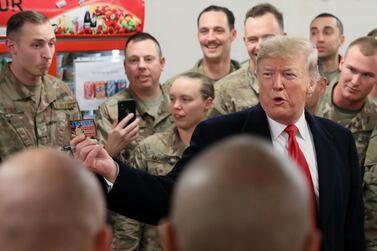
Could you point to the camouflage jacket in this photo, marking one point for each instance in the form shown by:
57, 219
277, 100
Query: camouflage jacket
105, 117
371, 155
361, 125
370, 192
235, 92
108, 113
198, 67
23, 125
156, 154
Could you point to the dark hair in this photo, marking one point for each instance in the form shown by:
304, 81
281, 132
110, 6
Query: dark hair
141, 37
226, 11
338, 22
373, 33
367, 45
207, 90
16, 22
264, 8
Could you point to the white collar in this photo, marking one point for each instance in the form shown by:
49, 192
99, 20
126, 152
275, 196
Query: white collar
277, 128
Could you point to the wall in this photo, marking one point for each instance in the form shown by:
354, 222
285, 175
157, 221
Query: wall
173, 23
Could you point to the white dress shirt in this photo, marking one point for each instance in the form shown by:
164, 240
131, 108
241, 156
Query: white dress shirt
304, 139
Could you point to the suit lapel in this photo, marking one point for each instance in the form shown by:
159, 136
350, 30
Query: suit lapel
256, 123
327, 178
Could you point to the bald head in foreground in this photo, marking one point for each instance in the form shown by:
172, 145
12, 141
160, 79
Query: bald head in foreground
240, 195
49, 202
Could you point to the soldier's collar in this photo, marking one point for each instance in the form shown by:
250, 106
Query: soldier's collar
49, 94
21, 91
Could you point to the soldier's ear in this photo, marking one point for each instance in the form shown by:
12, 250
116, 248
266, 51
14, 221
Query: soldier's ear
341, 63
233, 34
208, 104
342, 39
10, 44
162, 63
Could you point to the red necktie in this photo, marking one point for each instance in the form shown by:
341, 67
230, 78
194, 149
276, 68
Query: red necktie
295, 152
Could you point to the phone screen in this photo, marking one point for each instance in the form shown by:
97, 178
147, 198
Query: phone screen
125, 107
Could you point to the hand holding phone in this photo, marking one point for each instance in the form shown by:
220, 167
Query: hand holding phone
126, 107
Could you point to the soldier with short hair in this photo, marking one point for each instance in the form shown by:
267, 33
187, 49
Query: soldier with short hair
346, 101
143, 64
239, 90
327, 34
35, 107
191, 96
216, 32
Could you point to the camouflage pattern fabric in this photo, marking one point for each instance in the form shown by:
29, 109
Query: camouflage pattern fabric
361, 125
235, 92
370, 192
198, 67
108, 113
105, 117
156, 154
25, 123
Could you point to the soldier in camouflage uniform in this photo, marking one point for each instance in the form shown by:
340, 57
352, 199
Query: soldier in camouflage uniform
35, 107
370, 192
346, 102
148, 123
191, 96
239, 90
221, 34
157, 155
326, 33
235, 92
143, 65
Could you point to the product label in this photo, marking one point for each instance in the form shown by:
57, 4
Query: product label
81, 17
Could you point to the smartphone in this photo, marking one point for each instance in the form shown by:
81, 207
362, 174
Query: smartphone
125, 107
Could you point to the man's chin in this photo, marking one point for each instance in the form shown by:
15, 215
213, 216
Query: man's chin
213, 58
43, 72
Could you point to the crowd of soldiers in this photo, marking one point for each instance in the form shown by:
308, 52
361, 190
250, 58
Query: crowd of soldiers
36, 108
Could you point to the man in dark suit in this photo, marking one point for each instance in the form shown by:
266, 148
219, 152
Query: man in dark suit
286, 71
